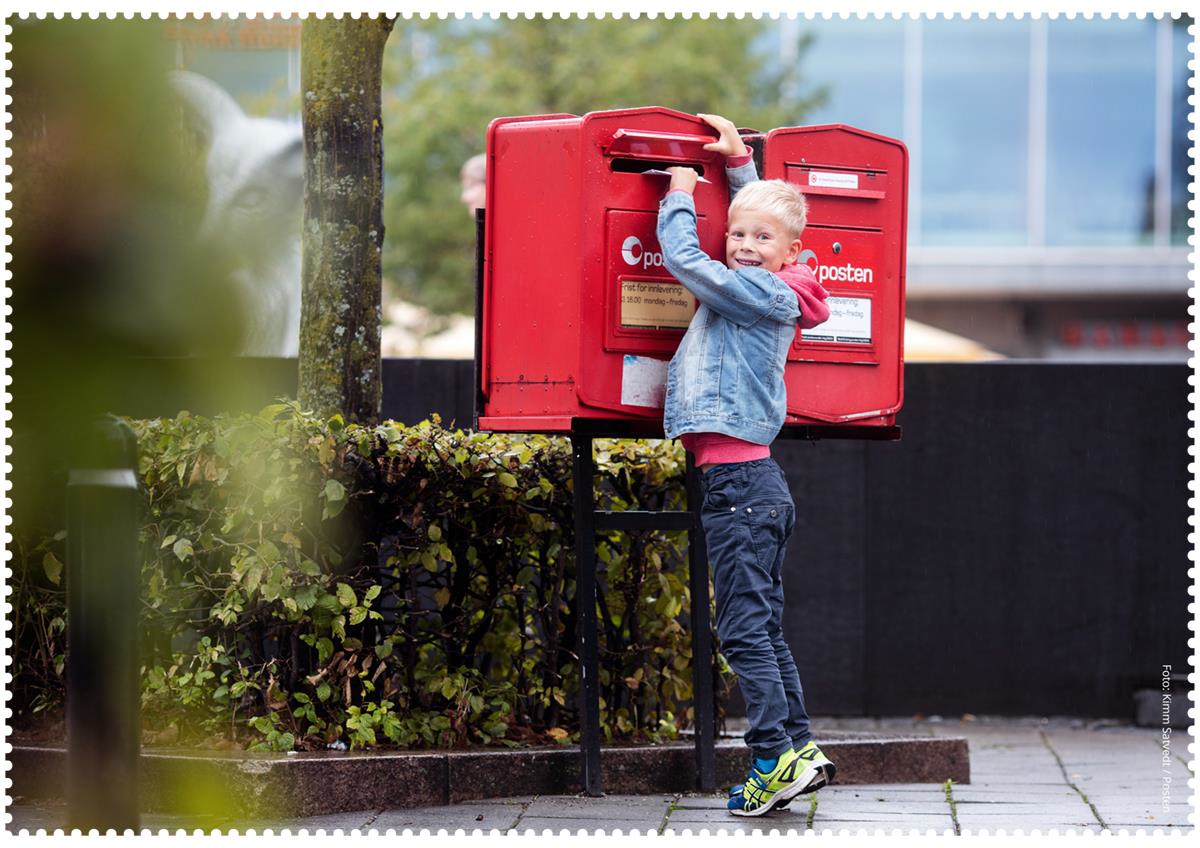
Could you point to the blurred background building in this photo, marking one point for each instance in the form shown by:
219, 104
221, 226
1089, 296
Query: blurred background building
1048, 212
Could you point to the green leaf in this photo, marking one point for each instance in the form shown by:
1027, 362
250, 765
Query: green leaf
305, 597
253, 577
435, 533
372, 593
335, 499
357, 615
183, 549
507, 479
52, 567
268, 552
324, 650
346, 596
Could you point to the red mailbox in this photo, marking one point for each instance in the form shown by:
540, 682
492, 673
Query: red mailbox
849, 370
578, 316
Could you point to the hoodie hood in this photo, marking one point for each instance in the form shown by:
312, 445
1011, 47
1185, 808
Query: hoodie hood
810, 294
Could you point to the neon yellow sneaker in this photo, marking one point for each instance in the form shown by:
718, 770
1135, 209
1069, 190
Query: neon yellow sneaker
814, 759
818, 765
763, 792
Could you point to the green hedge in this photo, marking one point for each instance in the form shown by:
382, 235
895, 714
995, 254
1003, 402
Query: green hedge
308, 581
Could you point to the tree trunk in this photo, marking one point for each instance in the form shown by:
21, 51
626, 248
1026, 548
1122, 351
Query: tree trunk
341, 62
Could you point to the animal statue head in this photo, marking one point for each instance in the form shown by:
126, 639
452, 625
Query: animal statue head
254, 171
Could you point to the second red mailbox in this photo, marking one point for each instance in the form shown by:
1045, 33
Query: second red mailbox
579, 316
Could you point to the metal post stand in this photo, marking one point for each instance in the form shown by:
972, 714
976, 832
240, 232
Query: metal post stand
703, 666
103, 580
587, 521
585, 599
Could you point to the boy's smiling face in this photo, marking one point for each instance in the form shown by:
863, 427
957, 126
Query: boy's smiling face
756, 239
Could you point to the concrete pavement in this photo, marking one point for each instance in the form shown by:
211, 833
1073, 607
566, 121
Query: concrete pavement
1026, 773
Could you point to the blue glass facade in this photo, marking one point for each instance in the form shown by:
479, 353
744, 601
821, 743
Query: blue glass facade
974, 132
1024, 132
860, 65
1100, 132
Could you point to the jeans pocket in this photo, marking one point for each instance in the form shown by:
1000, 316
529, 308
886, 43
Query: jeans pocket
770, 527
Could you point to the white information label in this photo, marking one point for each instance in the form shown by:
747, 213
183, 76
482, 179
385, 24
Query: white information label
828, 179
643, 381
849, 322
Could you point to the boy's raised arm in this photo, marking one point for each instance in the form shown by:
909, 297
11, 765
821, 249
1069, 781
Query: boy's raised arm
740, 169
730, 143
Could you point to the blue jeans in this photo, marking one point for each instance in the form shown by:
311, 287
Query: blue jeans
748, 516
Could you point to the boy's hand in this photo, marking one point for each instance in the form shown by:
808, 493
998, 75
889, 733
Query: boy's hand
730, 143
683, 178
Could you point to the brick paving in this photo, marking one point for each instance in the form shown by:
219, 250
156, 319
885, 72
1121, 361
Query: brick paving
1026, 773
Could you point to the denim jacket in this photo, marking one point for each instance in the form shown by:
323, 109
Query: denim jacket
727, 374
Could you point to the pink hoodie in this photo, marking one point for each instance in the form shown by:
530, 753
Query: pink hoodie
809, 292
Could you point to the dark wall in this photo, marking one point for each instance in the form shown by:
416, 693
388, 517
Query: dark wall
1022, 550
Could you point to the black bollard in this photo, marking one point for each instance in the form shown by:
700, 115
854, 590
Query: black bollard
103, 586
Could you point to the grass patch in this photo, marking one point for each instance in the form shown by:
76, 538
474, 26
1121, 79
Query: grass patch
1067, 778
953, 806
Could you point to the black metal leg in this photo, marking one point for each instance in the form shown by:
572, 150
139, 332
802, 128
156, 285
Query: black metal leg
585, 589
702, 657
103, 684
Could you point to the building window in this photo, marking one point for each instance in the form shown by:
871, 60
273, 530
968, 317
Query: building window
975, 132
860, 65
1100, 132
1180, 124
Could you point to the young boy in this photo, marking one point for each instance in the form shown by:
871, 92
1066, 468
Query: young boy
726, 399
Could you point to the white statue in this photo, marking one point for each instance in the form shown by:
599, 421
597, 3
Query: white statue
255, 173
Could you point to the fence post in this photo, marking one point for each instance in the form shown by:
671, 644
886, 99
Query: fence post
103, 592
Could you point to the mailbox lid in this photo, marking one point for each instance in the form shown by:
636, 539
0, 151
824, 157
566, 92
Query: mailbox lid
850, 368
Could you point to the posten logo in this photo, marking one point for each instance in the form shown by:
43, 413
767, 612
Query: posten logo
847, 273
634, 254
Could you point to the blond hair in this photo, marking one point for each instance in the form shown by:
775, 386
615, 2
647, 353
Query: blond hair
778, 198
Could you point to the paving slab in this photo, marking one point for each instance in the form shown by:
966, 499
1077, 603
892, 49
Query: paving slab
53, 815
576, 827
645, 813
730, 826
609, 808
1027, 820
1002, 793
1070, 808
854, 799
887, 828
765, 823
1028, 829
466, 815
882, 813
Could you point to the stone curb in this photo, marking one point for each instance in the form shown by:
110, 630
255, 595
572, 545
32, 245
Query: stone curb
319, 783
